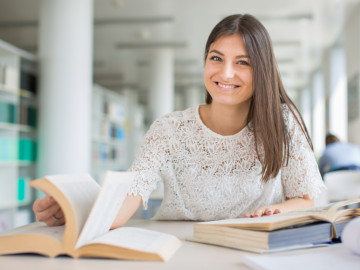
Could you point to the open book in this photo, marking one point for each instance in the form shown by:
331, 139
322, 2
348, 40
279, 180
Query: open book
278, 232
89, 213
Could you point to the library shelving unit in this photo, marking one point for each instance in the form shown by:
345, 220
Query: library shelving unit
110, 131
18, 114
118, 127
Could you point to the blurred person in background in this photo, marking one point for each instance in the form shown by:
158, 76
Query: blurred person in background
339, 156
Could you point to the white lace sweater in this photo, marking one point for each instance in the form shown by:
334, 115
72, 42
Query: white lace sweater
208, 176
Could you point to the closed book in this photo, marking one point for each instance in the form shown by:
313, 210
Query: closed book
287, 230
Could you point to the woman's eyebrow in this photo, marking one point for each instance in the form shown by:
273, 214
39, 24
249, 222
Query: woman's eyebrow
238, 56
216, 51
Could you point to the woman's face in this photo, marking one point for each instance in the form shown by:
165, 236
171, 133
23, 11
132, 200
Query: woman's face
228, 73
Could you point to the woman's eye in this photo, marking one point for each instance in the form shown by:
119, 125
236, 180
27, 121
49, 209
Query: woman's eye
243, 62
215, 58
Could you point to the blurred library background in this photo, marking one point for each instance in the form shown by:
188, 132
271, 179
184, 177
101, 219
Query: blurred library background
81, 81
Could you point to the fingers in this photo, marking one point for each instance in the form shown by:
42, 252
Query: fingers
56, 219
43, 203
268, 212
262, 212
258, 213
48, 211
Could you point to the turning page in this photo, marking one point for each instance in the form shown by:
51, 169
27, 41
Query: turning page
106, 206
80, 190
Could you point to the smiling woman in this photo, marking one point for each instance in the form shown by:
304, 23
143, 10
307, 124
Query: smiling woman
244, 153
228, 74
229, 81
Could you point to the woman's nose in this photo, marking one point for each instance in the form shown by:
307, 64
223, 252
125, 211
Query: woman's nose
227, 71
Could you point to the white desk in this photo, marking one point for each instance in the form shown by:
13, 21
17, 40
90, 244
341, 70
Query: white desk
189, 256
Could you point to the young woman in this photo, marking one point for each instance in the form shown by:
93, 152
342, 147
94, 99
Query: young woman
245, 153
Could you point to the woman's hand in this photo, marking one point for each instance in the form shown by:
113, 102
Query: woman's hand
288, 205
48, 211
262, 211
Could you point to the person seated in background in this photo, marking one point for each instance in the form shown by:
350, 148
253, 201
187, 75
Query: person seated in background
339, 156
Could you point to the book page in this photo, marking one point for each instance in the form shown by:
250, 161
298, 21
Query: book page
55, 232
135, 238
107, 205
327, 213
257, 220
80, 190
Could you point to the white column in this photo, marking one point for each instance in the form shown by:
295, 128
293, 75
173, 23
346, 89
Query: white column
338, 119
161, 82
65, 52
318, 91
305, 107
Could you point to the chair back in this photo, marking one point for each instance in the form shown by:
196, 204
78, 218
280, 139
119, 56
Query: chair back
342, 185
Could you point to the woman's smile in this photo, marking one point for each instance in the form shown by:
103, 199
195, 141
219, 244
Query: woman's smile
225, 86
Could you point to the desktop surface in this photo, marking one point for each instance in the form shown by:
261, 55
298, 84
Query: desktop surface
189, 256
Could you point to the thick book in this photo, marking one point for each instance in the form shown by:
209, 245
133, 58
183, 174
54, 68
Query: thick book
89, 213
291, 230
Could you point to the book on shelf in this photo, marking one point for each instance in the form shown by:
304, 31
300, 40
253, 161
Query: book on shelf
8, 112
89, 213
17, 149
11, 78
23, 190
284, 231
28, 81
27, 115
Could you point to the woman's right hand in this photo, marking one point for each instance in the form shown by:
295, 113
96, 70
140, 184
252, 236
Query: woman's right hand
48, 211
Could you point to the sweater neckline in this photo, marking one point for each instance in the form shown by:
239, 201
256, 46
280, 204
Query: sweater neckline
213, 133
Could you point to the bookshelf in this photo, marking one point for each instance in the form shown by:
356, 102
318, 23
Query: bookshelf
18, 114
112, 131
118, 128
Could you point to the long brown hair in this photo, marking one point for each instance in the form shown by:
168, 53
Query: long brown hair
265, 111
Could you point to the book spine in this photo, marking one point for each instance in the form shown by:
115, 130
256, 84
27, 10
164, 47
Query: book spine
27, 150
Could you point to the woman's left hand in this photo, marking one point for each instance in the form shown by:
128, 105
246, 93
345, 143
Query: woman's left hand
262, 211
288, 205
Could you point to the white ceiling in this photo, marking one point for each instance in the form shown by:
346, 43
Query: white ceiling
300, 30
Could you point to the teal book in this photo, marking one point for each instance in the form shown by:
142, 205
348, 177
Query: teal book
13, 113
13, 149
5, 149
27, 150
4, 112
21, 149
22, 185
32, 117
33, 150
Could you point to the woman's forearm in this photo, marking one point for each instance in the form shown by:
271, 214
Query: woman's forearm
127, 210
294, 204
